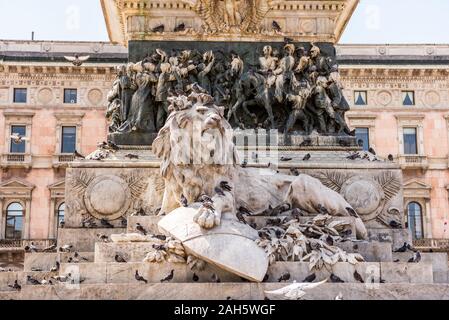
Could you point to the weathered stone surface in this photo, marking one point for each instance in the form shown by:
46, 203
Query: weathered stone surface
439, 261
230, 245
43, 261
399, 272
371, 251
221, 291
131, 237
83, 239
132, 252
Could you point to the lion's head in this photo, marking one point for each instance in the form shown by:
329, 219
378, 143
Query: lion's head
196, 134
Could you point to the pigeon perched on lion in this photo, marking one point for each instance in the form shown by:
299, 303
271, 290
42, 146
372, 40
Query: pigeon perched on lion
199, 163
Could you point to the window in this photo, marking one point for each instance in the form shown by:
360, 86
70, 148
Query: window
68, 144
20, 95
414, 220
17, 144
360, 98
410, 141
14, 221
362, 135
408, 98
61, 213
70, 96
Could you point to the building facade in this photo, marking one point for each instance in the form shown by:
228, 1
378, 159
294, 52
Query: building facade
399, 98
57, 108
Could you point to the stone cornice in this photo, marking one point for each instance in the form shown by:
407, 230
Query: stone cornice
302, 20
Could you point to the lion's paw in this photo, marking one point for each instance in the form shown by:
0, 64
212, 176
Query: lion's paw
207, 218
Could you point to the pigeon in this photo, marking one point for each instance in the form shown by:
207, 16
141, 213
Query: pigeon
240, 217
245, 211
219, 191
66, 248
169, 277
32, 281
322, 209
353, 156
284, 277
306, 157
62, 278
358, 277
180, 27
76, 255
61, 224
335, 279
276, 27
77, 60
285, 159
119, 258
296, 213
102, 237
416, 257
225, 186
390, 158
395, 224
138, 277
16, 286
160, 28
403, 248
160, 237
330, 240
310, 278
244, 163
184, 201
78, 155
397, 260
112, 146
195, 277
141, 229
215, 278
124, 222
55, 268
265, 279
306, 143
339, 296
344, 143
17, 138
105, 223
50, 248
372, 151
131, 156
296, 291
34, 269
205, 198
294, 171
31, 248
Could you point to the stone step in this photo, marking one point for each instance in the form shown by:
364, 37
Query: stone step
224, 291
46, 261
298, 271
439, 261
137, 251
150, 222
83, 239
396, 237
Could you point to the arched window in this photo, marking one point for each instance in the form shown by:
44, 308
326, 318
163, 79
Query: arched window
61, 211
14, 221
414, 219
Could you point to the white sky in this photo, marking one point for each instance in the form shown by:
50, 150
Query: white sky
375, 21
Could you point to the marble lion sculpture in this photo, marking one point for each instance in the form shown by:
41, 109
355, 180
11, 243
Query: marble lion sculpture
198, 157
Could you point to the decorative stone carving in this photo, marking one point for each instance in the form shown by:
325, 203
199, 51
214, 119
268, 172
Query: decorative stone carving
95, 96
384, 97
295, 91
432, 98
368, 195
45, 96
107, 197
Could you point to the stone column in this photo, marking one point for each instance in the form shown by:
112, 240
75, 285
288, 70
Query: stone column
427, 220
2, 220
51, 227
26, 232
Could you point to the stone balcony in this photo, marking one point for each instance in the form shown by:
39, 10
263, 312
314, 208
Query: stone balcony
431, 244
16, 160
413, 162
61, 160
19, 244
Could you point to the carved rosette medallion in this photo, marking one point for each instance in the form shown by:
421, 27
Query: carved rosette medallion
107, 197
364, 195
